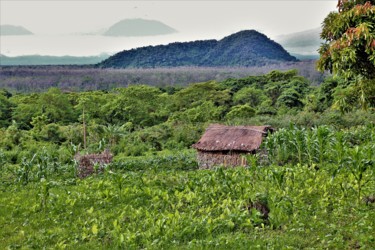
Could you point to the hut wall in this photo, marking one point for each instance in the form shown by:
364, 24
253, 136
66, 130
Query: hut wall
210, 159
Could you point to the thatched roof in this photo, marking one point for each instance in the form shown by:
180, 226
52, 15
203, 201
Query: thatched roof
232, 138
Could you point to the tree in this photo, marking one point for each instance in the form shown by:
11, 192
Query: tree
241, 111
198, 93
5, 109
249, 95
349, 50
138, 104
350, 40
56, 106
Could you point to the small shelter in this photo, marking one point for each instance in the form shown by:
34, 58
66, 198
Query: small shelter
87, 163
226, 145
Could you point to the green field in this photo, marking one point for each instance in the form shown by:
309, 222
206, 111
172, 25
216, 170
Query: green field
318, 185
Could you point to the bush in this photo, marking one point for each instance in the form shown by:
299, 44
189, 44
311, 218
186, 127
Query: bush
241, 111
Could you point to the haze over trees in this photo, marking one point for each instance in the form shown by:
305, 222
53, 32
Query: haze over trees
82, 78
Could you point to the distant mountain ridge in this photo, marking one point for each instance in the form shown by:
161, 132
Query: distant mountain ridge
245, 48
304, 43
12, 30
138, 27
50, 60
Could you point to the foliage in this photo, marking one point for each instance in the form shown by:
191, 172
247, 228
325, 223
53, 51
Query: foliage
349, 50
5, 108
309, 177
240, 111
141, 119
153, 196
350, 35
135, 104
249, 95
158, 202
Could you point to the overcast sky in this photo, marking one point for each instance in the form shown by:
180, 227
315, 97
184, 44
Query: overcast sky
211, 19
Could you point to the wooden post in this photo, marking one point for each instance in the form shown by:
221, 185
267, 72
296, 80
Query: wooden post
84, 128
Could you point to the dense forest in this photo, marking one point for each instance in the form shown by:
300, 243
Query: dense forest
243, 49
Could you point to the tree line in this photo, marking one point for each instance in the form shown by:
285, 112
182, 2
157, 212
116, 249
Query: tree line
142, 119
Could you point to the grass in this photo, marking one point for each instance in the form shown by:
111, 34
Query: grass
203, 209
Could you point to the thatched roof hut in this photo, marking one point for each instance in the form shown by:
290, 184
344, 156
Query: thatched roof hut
226, 145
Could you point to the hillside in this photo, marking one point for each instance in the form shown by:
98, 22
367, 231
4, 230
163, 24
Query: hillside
12, 30
245, 48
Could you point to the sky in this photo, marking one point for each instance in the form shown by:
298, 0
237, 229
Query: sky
60, 26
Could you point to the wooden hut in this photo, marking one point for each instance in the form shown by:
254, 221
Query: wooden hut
226, 145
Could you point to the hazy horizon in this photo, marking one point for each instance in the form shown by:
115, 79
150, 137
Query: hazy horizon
59, 26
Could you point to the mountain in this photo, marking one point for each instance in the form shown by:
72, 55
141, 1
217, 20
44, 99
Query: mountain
139, 27
305, 43
51, 60
245, 48
11, 30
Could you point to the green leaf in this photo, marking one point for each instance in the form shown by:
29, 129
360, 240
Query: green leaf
91, 210
94, 229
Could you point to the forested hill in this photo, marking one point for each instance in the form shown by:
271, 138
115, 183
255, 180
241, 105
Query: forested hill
245, 48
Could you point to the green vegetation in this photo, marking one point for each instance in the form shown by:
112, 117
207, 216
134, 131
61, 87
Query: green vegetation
159, 202
314, 188
349, 51
142, 120
311, 186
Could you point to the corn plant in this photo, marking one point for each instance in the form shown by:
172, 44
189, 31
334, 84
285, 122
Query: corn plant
338, 152
119, 180
43, 161
43, 193
323, 135
358, 161
3, 162
24, 172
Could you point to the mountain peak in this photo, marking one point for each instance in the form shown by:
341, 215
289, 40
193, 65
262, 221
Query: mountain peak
12, 30
244, 33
